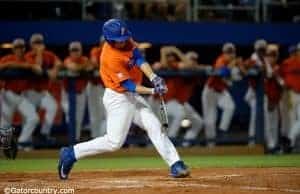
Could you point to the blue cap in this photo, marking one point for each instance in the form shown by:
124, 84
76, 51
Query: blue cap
116, 30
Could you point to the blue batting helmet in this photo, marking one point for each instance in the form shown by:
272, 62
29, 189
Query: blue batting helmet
115, 30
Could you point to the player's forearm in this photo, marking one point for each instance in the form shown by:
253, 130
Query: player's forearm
130, 86
143, 90
147, 70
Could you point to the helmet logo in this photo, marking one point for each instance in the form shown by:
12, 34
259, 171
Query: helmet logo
123, 31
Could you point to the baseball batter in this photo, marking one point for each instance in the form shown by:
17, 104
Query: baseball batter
122, 65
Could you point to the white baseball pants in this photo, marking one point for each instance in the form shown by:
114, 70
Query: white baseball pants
271, 125
295, 130
47, 102
13, 102
177, 113
250, 98
210, 101
122, 109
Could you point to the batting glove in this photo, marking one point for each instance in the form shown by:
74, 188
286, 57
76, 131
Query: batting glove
159, 85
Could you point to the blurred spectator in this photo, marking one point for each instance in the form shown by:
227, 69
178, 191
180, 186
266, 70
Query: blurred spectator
95, 92
13, 98
291, 69
136, 9
257, 60
180, 10
273, 93
76, 63
158, 10
101, 10
286, 115
177, 102
216, 94
38, 92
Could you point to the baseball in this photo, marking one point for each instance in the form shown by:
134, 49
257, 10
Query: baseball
186, 123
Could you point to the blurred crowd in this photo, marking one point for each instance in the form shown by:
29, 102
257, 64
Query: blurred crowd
280, 81
154, 10
175, 10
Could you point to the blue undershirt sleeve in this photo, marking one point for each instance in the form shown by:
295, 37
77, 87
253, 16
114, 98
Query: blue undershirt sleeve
138, 57
129, 85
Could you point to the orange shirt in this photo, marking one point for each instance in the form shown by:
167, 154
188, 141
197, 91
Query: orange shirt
49, 59
290, 71
117, 66
18, 85
80, 83
215, 82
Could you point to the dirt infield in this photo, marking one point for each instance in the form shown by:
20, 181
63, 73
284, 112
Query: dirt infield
206, 180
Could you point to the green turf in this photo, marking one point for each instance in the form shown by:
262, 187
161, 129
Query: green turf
27, 165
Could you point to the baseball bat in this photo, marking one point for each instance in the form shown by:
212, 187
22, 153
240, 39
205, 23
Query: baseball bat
163, 113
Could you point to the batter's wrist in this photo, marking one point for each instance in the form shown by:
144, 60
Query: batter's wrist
152, 76
152, 91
